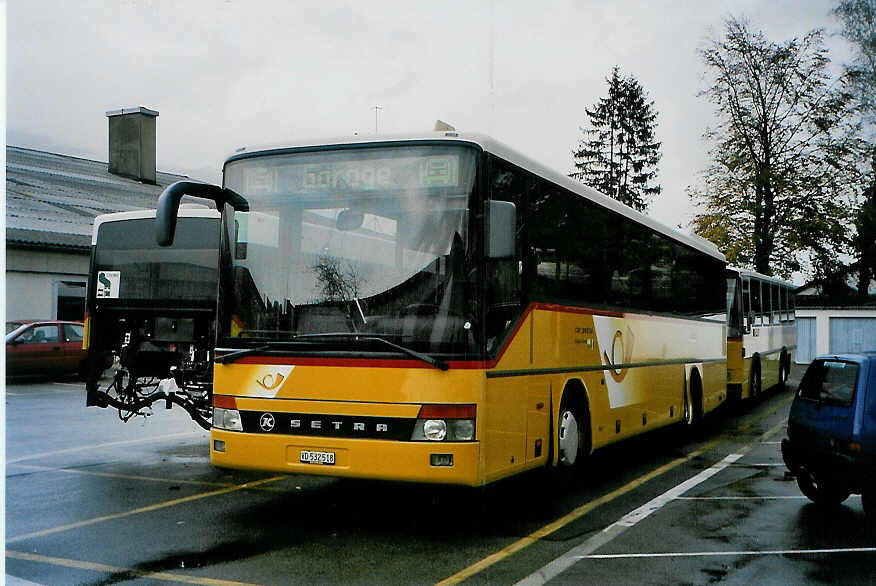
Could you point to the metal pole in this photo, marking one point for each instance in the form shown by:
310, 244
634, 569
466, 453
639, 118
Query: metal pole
376, 110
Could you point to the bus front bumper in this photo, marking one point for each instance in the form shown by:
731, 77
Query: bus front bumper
428, 462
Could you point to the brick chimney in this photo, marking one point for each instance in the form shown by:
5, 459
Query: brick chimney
132, 143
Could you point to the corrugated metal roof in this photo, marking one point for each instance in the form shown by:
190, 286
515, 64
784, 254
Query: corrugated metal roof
52, 199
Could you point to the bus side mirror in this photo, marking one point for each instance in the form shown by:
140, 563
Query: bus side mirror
168, 205
501, 229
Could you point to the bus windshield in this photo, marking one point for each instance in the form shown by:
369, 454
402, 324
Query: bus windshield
131, 267
372, 241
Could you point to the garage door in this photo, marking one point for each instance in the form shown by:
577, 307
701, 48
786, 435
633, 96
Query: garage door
805, 339
852, 334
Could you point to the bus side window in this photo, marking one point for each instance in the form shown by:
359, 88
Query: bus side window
783, 303
746, 305
756, 306
774, 301
504, 286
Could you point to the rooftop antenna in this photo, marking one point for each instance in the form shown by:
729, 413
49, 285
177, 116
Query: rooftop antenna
440, 125
376, 112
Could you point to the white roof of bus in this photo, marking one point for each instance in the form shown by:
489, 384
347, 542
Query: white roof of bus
750, 273
186, 210
493, 146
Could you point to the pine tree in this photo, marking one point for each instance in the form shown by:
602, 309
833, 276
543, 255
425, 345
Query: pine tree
619, 152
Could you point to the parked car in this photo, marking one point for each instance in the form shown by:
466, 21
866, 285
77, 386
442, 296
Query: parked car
831, 443
11, 326
45, 347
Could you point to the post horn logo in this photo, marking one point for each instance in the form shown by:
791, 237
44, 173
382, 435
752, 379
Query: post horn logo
621, 355
269, 382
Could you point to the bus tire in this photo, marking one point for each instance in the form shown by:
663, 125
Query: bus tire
754, 379
784, 369
573, 429
693, 401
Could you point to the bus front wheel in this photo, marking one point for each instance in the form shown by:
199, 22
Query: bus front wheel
573, 433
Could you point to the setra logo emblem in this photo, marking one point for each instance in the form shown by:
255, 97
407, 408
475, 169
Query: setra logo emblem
269, 382
267, 422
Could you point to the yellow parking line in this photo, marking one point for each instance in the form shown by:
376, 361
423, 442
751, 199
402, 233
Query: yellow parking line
524, 542
103, 445
124, 476
148, 509
132, 572
568, 518
143, 478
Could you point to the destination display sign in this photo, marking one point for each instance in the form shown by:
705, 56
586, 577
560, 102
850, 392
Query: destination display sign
342, 174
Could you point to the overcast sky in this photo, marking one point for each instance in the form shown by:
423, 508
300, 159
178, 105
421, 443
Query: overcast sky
229, 73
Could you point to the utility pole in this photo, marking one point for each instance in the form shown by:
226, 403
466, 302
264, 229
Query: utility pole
376, 111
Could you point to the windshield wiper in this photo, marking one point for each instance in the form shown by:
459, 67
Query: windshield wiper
225, 358
430, 360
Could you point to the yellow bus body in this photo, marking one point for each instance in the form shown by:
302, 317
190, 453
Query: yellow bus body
765, 344
634, 369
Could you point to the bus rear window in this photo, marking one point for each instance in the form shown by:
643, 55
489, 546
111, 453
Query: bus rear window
830, 381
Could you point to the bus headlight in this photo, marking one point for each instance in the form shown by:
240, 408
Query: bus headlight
453, 423
464, 429
225, 413
227, 419
435, 429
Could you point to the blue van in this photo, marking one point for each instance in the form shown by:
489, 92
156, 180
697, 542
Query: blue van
831, 443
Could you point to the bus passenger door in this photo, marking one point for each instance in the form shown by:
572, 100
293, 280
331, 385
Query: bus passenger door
505, 450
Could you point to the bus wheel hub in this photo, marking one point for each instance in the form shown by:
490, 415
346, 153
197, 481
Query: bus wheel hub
568, 438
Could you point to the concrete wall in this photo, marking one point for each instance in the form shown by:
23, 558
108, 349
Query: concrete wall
33, 278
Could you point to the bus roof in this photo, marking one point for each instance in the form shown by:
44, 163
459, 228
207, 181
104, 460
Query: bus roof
491, 145
750, 273
186, 210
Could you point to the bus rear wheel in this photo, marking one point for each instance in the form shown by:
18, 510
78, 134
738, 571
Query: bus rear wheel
784, 368
754, 383
693, 397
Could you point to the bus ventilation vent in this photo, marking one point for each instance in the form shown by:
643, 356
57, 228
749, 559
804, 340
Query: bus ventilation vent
644, 419
617, 426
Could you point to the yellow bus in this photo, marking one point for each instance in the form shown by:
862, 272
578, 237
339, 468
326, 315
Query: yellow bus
440, 308
761, 332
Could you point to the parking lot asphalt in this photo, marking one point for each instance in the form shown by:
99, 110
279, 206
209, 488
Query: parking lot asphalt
92, 500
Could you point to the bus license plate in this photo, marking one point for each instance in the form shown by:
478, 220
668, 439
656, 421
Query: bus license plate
326, 458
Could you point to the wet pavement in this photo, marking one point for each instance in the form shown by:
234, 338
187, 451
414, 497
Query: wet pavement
93, 500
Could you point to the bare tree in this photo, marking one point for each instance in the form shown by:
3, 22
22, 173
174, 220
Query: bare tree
782, 151
337, 281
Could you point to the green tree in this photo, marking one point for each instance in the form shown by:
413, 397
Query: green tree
858, 21
619, 152
781, 152
864, 240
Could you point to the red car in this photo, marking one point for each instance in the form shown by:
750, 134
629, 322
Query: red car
44, 347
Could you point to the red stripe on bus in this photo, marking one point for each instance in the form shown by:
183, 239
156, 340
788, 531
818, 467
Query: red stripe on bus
574, 309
